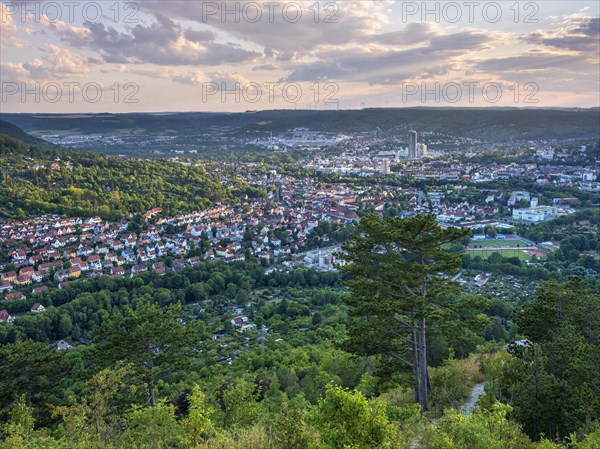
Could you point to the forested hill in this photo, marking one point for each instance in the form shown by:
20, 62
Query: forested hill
36, 181
491, 124
8, 129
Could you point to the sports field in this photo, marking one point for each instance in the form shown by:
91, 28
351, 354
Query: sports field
484, 254
510, 247
489, 243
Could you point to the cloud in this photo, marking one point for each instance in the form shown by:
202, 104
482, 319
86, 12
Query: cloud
340, 23
161, 42
9, 28
199, 36
550, 71
363, 46
191, 78
382, 65
580, 34
531, 61
412, 33
224, 80
12, 71
56, 63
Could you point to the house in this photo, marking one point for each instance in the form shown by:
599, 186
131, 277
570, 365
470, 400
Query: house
94, 262
481, 279
159, 268
74, 272
46, 267
117, 271
239, 321
5, 286
37, 308
15, 295
5, 317
128, 255
23, 280
193, 261
26, 271
40, 290
535, 214
137, 269
218, 334
69, 273
63, 346
10, 276
178, 265
61, 275
102, 249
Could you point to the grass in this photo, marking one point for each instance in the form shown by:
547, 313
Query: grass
504, 252
489, 246
497, 244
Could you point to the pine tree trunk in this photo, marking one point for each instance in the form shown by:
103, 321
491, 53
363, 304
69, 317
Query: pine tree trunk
151, 392
415, 360
423, 373
424, 385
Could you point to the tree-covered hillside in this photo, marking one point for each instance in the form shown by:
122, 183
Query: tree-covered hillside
38, 181
8, 129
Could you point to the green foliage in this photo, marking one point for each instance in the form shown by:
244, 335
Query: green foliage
398, 271
31, 372
348, 420
286, 388
481, 430
239, 404
198, 424
19, 427
549, 380
560, 371
99, 185
450, 385
290, 430
149, 337
153, 428
589, 441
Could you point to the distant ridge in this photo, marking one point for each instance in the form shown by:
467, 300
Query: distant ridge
11, 130
492, 124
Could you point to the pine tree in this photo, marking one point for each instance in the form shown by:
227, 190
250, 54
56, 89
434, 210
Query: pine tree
398, 270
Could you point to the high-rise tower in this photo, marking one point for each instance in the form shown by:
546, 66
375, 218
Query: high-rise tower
412, 144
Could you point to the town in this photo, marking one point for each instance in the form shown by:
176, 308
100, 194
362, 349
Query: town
298, 215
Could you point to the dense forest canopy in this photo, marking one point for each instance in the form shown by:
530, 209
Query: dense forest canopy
82, 184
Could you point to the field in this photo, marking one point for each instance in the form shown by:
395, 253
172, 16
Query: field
484, 254
492, 243
510, 247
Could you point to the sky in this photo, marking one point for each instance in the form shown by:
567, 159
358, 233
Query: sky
228, 56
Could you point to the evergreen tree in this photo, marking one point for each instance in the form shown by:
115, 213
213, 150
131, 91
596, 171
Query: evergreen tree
398, 272
150, 338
